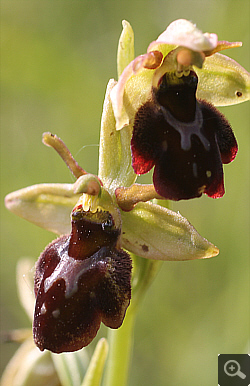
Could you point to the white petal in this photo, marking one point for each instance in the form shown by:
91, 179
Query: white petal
184, 33
133, 87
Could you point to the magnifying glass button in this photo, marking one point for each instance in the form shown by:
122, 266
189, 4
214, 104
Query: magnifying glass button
233, 369
241, 374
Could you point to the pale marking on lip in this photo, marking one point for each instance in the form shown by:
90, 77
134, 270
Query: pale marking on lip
187, 129
56, 313
43, 309
68, 269
164, 145
195, 170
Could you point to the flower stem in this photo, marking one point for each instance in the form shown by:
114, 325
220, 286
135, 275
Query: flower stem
120, 347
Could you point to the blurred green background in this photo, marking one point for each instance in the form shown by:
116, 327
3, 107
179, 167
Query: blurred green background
56, 59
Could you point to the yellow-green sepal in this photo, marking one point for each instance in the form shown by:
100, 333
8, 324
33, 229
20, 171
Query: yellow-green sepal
154, 232
115, 168
46, 205
125, 53
223, 81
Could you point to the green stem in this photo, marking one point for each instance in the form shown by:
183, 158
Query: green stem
121, 340
120, 346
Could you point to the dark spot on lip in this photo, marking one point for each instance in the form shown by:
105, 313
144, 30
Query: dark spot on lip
144, 248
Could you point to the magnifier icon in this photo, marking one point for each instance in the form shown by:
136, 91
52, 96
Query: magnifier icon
232, 368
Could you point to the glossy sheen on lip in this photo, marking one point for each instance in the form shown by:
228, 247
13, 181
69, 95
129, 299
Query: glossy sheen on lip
77, 291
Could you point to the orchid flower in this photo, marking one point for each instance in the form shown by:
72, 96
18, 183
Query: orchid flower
165, 96
85, 276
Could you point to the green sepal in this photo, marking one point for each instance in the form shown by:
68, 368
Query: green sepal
115, 168
223, 81
46, 205
125, 53
154, 232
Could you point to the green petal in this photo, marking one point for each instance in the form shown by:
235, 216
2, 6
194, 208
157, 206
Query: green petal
155, 232
222, 81
115, 167
46, 205
125, 53
94, 373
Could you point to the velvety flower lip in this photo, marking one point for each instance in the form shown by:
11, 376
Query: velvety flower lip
185, 139
81, 280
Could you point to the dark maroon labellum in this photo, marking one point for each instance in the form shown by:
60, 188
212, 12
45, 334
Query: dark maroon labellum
74, 295
187, 140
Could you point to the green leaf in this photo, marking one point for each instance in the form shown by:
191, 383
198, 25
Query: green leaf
46, 205
222, 81
154, 232
71, 367
94, 373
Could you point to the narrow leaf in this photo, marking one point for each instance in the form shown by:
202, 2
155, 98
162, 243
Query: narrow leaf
94, 373
71, 367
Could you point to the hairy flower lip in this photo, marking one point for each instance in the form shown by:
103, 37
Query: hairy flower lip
74, 296
184, 139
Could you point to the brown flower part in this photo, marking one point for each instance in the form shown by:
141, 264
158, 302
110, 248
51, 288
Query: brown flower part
81, 280
186, 139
